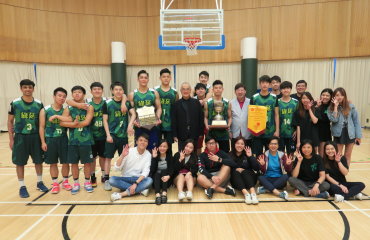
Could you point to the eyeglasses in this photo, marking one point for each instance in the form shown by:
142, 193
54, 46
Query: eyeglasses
211, 143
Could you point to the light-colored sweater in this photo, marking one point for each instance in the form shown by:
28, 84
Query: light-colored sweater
134, 164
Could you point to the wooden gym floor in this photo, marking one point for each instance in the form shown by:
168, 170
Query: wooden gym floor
93, 216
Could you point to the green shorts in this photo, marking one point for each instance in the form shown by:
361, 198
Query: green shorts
57, 149
79, 153
117, 145
26, 145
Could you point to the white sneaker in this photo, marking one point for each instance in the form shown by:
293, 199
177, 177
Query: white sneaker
145, 192
358, 196
248, 199
254, 198
189, 195
181, 196
107, 186
115, 196
338, 198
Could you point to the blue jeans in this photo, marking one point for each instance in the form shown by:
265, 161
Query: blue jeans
123, 183
271, 183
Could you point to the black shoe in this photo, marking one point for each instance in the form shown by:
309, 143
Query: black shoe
158, 200
41, 187
230, 191
164, 198
93, 182
209, 192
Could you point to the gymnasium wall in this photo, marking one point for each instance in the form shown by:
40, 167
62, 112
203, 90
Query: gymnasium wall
80, 31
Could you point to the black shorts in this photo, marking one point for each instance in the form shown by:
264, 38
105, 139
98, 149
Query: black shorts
98, 148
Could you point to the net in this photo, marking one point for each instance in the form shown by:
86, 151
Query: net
191, 44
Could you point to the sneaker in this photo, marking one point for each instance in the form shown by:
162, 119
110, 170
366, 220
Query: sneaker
230, 191
75, 189
107, 186
66, 185
158, 200
115, 196
209, 192
94, 184
248, 199
145, 192
338, 198
181, 196
324, 195
55, 188
102, 179
88, 187
254, 198
40, 186
261, 190
23, 193
164, 198
189, 195
358, 196
284, 195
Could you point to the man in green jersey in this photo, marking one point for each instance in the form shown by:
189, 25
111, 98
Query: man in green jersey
204, 78
269, 100
116, 127
80, 138
54, 140
167, 96
287, 107
145, 96
220, 135
24, 138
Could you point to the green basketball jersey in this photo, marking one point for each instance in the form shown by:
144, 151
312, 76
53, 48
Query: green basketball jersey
167, 98
79, 136
97, 127
270, 102
218, 134
117, 121
26, 115
144, 99
53, 129
286, 111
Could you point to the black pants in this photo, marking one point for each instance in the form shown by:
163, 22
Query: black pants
287, 145
244, 180
158, 183
224, 145
258, 144
353, 189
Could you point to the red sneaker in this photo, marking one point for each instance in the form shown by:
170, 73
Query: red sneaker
55, 188
66, 185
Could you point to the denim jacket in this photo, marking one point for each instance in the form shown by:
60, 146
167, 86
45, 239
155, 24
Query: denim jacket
353, 125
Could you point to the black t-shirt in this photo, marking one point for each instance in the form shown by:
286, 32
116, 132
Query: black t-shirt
323, 125
334, 171
310, 168
308, 128
295, 96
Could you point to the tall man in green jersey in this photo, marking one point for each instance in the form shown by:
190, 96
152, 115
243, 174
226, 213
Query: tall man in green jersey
54, 140
269, 100
220, 135
287, 107
80, 138
24, 138
145, 96
116, 127
168, 96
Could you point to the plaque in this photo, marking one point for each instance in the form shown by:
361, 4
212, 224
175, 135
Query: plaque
147, 117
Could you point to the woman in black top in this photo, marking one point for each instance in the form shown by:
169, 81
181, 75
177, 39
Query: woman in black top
185, 170
244, 176
308, 175
323, 124
336, 171
305, 119
161, 170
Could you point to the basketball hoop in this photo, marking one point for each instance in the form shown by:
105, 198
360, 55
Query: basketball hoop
191, 44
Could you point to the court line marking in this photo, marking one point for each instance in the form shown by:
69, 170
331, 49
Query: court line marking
37, 222
177, 213
357, 208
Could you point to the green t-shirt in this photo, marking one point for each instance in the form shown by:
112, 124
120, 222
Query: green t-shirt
144, 99
167, 99
26, 115
269, 101
218, 134
117, 121
97, 127
53, 129
79, 136
286, 111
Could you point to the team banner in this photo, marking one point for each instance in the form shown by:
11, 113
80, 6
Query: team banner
257, 118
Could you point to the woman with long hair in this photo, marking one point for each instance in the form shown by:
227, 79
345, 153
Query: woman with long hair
336, 171
323, 124
345, 125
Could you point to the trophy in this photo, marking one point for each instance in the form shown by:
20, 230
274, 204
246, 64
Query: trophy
218, 120
146, 116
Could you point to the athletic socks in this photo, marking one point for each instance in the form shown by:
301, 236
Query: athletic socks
102, 172
55, 179
39, 178
106, 176
87, 180
76, 180
92, 174
65, 178
21, 182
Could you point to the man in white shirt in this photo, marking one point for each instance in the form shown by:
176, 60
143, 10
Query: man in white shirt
134, 163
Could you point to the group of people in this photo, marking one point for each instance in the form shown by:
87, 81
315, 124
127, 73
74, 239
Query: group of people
302, 144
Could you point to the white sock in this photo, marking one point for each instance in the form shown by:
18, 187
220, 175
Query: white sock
55, 180
65, 179
76, 181
103, 173
39, 178
21, 182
